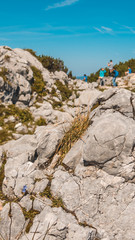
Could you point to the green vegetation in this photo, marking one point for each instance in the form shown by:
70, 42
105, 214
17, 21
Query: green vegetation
5, 136
57, 104
3, 74
64, 90
22, 115
38, 85
52, 64
2, 173
56, 202
70, 75
53, 92
120, 67
29, 215
40, 122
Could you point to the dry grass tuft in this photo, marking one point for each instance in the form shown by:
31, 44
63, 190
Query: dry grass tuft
79, 126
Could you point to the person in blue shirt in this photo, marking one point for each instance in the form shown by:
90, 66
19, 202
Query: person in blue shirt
101, 76
115, 74
129, 71
85, 78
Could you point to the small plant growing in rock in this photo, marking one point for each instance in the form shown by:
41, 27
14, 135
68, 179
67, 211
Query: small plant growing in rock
2, 173
57, 104
3, 74
8, 128
64, 90
7, 58
56, 201
95, 106
41, 122
38, 85
29, 215
53, 92
5, 135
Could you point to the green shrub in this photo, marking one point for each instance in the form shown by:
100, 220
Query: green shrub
23, 115
5, 135
57, 104
52, 64
3, 74
40, 122
38, 85
53, 92
64, 90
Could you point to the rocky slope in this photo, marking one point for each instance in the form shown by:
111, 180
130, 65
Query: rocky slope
74, 176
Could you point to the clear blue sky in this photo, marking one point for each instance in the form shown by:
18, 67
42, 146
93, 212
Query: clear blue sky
85, 34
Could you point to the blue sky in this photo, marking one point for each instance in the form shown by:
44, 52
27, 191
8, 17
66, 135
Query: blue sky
85, 34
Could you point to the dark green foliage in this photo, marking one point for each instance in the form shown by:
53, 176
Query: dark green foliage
21, 114
31, 52
70, 75
52, 64
64, 90
121, 68
53, 92
38, 85
56, 104
5, 135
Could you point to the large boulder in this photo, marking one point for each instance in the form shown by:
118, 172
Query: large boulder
87, 97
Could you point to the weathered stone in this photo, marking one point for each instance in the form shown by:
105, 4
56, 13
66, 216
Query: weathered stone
10, 216
87, 97
48, 139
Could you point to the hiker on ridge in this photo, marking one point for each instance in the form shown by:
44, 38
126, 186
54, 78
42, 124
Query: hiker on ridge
115, 74
101, 76
85, 78
110, 65
129, 71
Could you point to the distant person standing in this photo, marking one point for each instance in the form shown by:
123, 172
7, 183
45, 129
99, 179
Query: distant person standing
101, 76
115, 74
85, 79
110, 65
129, 71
